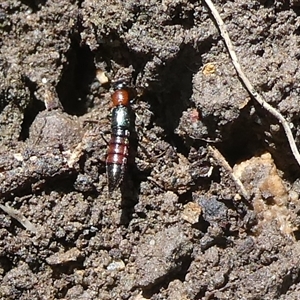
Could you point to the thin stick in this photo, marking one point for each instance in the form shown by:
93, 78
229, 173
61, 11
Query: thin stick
221, 161
19, 217
248, 84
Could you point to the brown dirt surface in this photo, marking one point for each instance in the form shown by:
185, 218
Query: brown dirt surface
178, 228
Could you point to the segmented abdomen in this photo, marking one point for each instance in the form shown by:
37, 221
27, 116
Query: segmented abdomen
118, 146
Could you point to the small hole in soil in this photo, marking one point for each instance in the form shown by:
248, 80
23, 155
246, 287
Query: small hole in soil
243, 141
31, 111
76, 79
35, 5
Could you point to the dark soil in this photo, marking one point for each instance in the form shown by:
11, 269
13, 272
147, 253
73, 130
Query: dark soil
178, 228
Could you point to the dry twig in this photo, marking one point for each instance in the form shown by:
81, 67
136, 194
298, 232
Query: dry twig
15, 214
248, 84
221, 161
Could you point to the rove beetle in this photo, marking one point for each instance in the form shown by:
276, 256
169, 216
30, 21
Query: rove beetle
118, 147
